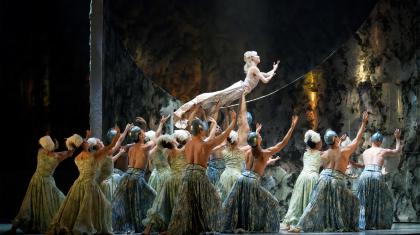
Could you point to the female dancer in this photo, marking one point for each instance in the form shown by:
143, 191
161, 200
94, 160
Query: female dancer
159, 161
232, 93
307, 179
250, 207
160, 213
42, 199
234, 158
332, 206
106, 177
85, 209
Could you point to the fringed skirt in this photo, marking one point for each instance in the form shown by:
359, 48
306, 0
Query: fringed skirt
132, 198
84, 211
109, 185
376, 202
332, 207
158, 177
215, 169
227, 180
198, 208
302, 190
41, 202
251, 208
159, 215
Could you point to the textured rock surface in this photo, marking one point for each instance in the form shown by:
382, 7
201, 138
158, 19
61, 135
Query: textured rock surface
127, 91
188, 47
375, 69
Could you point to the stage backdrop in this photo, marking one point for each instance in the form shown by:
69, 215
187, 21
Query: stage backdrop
155, 51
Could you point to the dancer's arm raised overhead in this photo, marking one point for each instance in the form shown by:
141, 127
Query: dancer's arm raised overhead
211, 143
118, 155
271, 72
213, 120
398, 147
280, 145
349, 149
106, 150
243, 125
122, 137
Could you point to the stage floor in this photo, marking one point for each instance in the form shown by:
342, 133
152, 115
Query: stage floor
397, 228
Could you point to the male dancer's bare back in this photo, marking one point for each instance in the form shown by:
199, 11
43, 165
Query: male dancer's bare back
197, 150
337, 158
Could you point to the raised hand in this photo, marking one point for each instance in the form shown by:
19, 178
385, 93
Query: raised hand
122, 150
343, 137
276, 65
365, 117
295, 120
88, 134
129, 126
212, 120
164, 119
397, 134
258, 127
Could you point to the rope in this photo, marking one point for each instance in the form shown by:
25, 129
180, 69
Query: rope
284, 86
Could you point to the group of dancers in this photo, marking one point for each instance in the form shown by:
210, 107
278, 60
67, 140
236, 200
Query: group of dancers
205, 177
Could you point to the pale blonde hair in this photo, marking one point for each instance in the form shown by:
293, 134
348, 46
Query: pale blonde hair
247, 58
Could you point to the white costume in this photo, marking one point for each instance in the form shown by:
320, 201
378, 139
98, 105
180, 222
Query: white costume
225, 96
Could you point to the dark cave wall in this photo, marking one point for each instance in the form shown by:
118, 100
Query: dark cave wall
44, 76
127, 91
377, 70
374, 69
190, 47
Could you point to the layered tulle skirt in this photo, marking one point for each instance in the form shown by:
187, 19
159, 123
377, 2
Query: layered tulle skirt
41, 202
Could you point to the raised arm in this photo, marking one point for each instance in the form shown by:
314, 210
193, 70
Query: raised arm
106, 150
211, 143
213, 120
398, 147
243, 125
192, 115
118, 155
122, 137
259, 75
63, 155
280, 145
213, 128
275, 66
161, 123
349, 149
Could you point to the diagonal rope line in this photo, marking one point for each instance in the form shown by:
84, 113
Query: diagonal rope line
284, 86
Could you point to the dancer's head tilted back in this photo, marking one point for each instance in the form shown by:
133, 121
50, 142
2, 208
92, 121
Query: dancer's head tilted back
232, 139
110, 134
377, 139
47, 143
137, 134
77, 144
251, 58
165, 141
313, 140
182, 137
199, 128
331, 138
